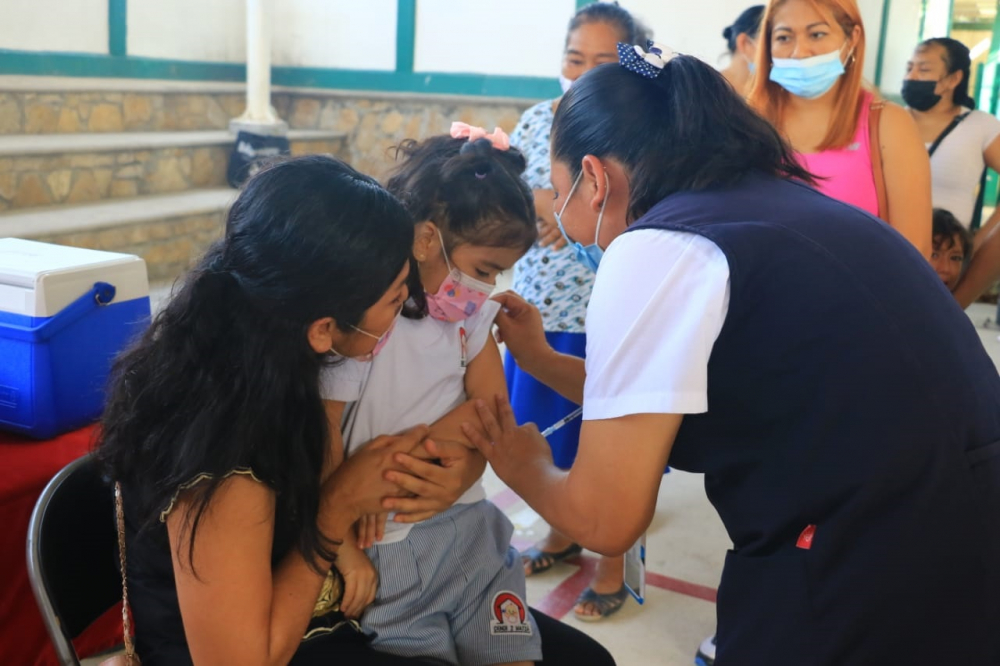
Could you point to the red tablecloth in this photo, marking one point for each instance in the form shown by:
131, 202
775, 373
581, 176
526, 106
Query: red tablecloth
26, 466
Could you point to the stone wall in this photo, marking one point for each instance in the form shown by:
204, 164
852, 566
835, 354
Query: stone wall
374, 125
47, 180
373, 122
59, 113
31, 181
168, 246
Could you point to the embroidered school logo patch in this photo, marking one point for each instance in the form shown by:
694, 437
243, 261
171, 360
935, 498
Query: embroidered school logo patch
511, 616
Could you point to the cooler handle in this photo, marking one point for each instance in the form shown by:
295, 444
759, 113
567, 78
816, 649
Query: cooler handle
100, 295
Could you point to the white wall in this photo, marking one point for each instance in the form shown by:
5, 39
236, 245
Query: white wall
937, 18
332, 33
208, 30
306, 33
500, 37
516, 37
695, 28
55, 25
690, 27
871, 15
902, 36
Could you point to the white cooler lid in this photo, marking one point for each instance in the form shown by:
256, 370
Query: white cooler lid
40, 279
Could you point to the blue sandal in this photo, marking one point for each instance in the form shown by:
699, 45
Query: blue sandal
540, 561
604, 604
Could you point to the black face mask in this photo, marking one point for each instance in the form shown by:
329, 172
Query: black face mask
919, 95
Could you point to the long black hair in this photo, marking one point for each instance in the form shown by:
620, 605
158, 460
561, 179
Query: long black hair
956, 59
225, 377
747, 23
685, 130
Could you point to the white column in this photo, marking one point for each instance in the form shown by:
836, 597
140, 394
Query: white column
259, 117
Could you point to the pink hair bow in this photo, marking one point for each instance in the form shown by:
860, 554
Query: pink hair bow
498, 138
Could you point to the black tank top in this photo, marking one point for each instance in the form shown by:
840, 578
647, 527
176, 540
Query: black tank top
156, 611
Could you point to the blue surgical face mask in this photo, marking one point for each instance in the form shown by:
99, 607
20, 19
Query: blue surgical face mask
751, 65
589, 256
808, 78
565, 83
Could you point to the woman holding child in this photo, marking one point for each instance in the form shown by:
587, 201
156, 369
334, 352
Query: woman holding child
236, 506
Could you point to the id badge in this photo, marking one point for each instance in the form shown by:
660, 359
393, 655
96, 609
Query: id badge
635, 570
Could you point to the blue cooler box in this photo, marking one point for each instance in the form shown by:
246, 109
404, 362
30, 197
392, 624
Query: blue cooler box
65, 313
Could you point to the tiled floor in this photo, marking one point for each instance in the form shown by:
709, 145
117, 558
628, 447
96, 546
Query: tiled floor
686, 545
685, 548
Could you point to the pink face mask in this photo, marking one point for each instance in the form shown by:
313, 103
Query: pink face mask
382, 340
459, 296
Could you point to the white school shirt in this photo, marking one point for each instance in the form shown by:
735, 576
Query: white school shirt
659, 303
416, 378
957, 165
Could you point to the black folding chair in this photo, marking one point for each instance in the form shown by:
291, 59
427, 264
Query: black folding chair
73, 554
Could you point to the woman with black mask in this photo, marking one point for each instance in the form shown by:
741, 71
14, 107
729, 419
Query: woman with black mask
962, 141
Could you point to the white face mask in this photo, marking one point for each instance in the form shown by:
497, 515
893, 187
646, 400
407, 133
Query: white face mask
564, 83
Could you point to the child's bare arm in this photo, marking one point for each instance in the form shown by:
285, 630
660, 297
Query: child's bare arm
484, 380
449, 427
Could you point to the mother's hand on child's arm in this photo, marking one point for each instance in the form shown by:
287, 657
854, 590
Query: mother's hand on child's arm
435, 487
361, 482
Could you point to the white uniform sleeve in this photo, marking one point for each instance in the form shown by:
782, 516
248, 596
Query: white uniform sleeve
659, 303
343, 382
480, 326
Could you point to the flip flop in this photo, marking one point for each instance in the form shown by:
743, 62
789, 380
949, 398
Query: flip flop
605, 604
542, 561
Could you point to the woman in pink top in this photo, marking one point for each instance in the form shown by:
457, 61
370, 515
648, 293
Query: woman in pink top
809, 86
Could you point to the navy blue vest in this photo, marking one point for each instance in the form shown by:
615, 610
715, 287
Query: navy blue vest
846, 391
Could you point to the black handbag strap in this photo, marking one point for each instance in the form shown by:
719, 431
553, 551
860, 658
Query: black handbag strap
947, 130
977, 212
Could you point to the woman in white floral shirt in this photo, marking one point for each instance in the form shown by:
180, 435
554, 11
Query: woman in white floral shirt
550, 278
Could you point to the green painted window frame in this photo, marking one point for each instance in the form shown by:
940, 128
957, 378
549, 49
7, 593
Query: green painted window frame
117, 63
882, 36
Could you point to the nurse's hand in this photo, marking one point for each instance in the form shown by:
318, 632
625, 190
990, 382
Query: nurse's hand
507, 447
519, 326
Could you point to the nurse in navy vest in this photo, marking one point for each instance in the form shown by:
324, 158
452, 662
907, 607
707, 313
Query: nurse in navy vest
798, 352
